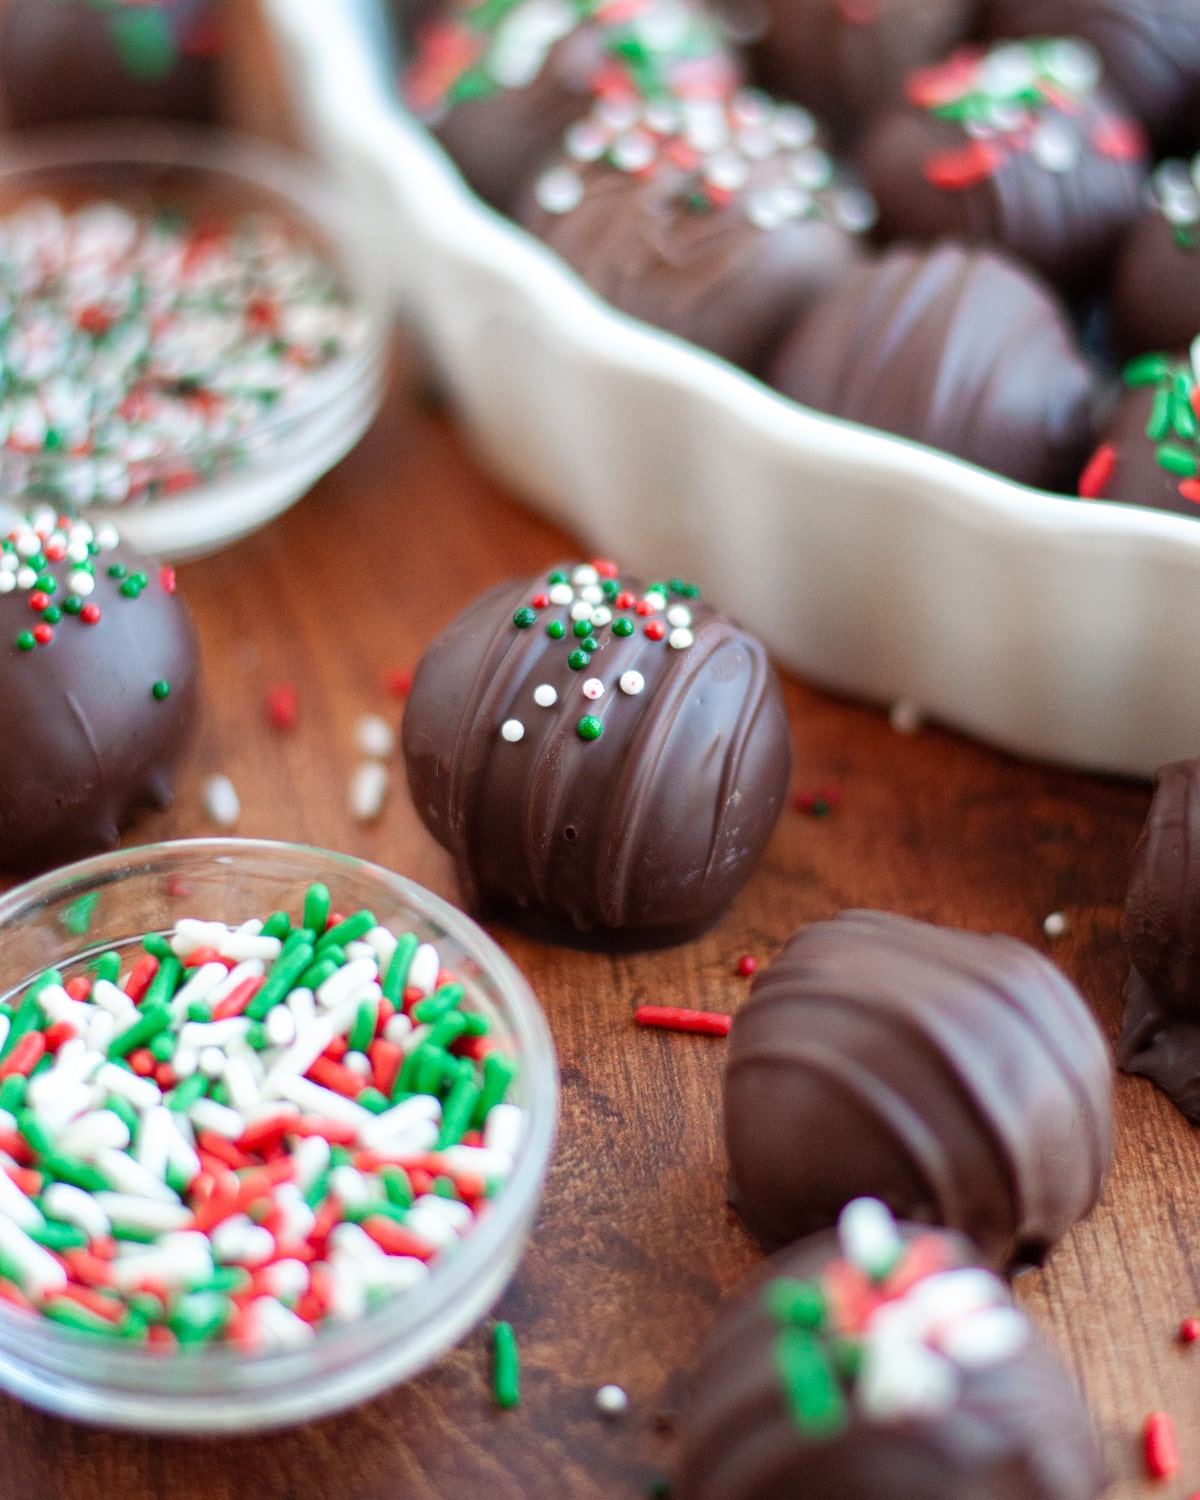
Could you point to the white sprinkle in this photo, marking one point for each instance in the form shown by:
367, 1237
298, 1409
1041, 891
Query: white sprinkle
20, 1209
221, 802
240, 1084
558, 191
585, 576
98, 1131
281, 1328
325, 1103
311, 1157
7, 583
40, 1273
394, 1273
151, 1214
1055, 924
239, 1240
561, 593
678, 614
593, 688
581, 610
424, 969
611, 1401
131, 1178
397, 1028
905, 717
601, 616
26, 578
368, 791
118, 1004
350, 1186
656, 600
200, 1034
985, 1337
142, 1093
151, 1147
680, 639
504, 1128
209, 1115
279, 1025
477, 1161
545, 696
345, 984
1055, 147
512, 730
243, 947
81, 583
453, 1213
287, 1279
418, 1137
868, 1236
72, 1205
383, 944
211, 1062
374, 736
178, 1260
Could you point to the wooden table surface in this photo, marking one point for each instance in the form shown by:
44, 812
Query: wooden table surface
635, 1244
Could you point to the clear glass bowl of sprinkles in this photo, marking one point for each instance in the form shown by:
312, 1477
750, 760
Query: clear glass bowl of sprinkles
193, 329
167, 1287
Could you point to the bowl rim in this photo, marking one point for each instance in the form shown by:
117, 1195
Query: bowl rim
476, 1253
341, 221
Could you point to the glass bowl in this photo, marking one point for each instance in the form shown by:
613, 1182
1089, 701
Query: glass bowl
111, 901
207, 492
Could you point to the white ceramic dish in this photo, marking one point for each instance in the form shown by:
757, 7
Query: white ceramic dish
1057, 629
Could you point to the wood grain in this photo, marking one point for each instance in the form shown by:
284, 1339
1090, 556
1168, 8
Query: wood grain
635, 1244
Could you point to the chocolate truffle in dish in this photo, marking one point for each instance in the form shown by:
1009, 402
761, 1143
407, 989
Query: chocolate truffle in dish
717, 221
604, 759
1151, 52
64, 60
957, 1076
845, 59
1019, 147
99, 676
1156, 289
1149, 448
1161, 1034
956, 347
883, 1363
500, 83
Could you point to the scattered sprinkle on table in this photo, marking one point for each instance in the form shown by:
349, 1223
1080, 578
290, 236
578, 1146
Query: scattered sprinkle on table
244, 1131
1160, 1446
1189, 1330
506, 1368
397, 682
672, 1018
139, 351
746, 965
1055, 924
818, 804
905, 717
368, 790
611, 1401
221, 802
283, 706
374, 736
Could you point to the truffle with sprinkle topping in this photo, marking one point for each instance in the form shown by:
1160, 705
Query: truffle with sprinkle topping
1156, 287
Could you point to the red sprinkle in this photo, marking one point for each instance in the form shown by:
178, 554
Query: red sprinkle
705, 1022
238, 998
820, 802
395, 1239
29, 1181
39, 601
224, 1150
1160, 1447
955, 171
283, 706
1119, 139
1097, 472
397, 682
25, 1056
605, 567
1189, 1330
655, 630
336, 1132
90, 614
1190, 490
746, 965
142, 1061
140, 977
43, 634
166, 577
56, 1035
78, 988
386, 1059
331, 1075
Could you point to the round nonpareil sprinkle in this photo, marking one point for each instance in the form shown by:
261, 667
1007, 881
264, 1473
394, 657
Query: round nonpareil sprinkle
545, 696
611, 1401
222, 1140
1055, 924
513, 731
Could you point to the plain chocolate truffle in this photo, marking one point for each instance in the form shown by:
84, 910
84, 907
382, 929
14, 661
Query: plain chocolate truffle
99, 677
845, 59
721, 225
500, 84
1019, 147
959, 1077
831, 1376
1161, 1035
604, 761
1149, 449
1151, 52
1156, 288
63, 60
954, 347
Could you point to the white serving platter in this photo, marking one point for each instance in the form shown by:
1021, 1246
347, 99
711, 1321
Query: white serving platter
1054, 628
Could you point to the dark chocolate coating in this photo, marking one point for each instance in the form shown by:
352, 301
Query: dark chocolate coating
956, 1076
1065, 224
1150, 48
953, 347
846, 59
1161, 1035
1137, 478
1017, 1430
706, 274
86, 744
1156, 289
59, 62
640, 837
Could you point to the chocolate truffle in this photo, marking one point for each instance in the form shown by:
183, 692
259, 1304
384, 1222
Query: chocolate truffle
957, 1076
957, 348
604, 760
889, 1367
1149, 449
718, 222
500, 83
64, 60
1151, 52
1161, 1035
1156, 288
845, 59
1017, 147
99, 680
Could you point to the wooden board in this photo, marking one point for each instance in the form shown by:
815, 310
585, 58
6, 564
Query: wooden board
635, 1243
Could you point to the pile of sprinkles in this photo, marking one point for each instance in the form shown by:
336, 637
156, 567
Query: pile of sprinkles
53, 559
646, 49
244, 1132
1175, 192
138, 351
887, 1329
1019, 99
743, 149
1173, 425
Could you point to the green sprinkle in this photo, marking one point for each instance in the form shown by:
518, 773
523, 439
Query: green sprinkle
164, 984
184, 1095
432, 1065
316, 907
56, 1235
285, 971
197, 1316
12, 1092
1158, 424
457, 1113
131, 588
1176, 460
277, 925
162, 1047
363, 1030
435, 1006
117, 570
373, 1100
443, 1187
178, 1178
199, 1010
316, 974
349, 931
157, 946
397, 970
73, 605
1183, 418
145, 42
152, 1020
622, 626
558, 576
581, 628
80, 1174
589, 727
448, 1030
397, 1186
524, 618
107, 966
801, 1304
1147, 369
52, 614
71, 1315
589, 643
124, 1112
810, 1384
556, 630
161, 689
498, 1074
578, 660
25, 641
506, 1369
